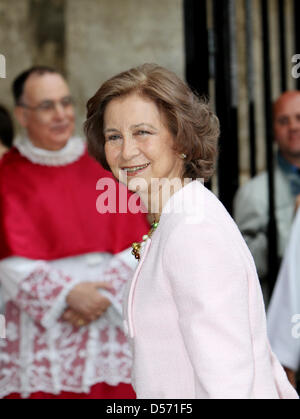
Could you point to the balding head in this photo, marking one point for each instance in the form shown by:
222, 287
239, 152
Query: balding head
45, 109
286, 116
286, 99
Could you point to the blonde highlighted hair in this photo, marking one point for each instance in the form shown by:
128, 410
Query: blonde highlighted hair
195, 128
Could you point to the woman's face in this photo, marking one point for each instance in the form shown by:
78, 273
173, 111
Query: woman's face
138, 144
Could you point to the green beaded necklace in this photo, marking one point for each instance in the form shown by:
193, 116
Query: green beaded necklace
136, 247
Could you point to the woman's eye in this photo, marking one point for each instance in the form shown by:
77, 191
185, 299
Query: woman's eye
143, 132
113, 137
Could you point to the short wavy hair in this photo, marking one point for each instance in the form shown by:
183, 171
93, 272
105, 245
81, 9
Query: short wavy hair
194, 126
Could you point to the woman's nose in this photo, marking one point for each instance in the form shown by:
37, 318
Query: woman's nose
129, 148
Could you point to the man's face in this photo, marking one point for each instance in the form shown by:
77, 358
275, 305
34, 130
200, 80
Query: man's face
287, 124
47, 112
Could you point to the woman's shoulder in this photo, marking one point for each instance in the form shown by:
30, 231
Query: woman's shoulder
198, 218
196, 203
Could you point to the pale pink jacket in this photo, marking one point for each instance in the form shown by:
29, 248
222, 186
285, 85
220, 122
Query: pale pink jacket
194, 310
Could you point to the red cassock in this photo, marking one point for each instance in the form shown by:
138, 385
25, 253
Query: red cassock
48, 213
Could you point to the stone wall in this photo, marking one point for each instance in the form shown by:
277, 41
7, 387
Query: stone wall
106, 37
89, 40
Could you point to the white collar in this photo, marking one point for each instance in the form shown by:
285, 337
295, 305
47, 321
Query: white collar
72, 152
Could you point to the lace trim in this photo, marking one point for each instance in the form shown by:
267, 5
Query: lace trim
58, 306
62, 357
26, 350
69, 154
91, 349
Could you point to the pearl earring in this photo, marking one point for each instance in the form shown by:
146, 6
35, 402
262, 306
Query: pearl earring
183, 156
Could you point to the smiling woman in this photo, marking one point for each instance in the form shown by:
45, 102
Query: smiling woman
186, 117
144, 145
196, 289
145, 124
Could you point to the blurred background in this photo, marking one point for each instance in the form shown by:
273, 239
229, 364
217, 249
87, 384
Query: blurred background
89, 40
237, 52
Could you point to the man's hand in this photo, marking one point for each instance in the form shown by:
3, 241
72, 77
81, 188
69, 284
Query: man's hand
74, 318
86, 299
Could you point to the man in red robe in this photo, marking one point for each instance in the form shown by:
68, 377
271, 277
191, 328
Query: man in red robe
62, 264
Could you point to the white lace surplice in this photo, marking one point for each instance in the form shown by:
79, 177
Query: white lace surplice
42, 352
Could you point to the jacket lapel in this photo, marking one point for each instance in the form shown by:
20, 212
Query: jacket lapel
132, 288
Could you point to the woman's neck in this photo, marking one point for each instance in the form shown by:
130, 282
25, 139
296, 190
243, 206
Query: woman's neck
158, 195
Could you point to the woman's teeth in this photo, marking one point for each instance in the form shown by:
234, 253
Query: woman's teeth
134, 169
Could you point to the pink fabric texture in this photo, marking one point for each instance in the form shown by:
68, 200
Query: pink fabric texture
194, 309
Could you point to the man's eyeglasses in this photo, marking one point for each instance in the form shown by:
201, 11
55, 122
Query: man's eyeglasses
49, 106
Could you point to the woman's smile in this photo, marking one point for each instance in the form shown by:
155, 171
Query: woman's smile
134, 170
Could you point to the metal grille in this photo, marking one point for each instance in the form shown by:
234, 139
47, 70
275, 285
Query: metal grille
239, 53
